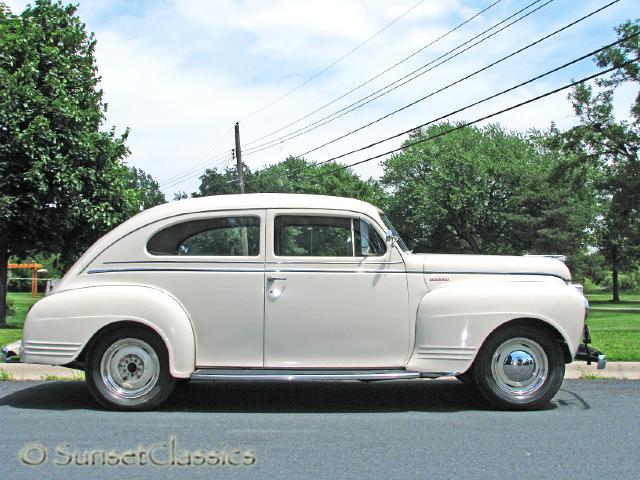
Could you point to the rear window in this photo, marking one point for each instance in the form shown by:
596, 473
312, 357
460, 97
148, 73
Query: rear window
221, 236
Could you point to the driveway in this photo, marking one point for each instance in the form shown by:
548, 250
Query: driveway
403, 429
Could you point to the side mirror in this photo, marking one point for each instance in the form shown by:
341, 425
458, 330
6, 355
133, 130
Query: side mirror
391, 237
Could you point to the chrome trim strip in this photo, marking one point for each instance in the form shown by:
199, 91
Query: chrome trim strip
240, 375
238, 270
51, 349
444, 357
346, 262
150, 269
45, 353
183, 261
429, 272
305, 270
39, 342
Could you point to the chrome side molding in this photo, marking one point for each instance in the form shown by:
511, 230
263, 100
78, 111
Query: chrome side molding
289, 375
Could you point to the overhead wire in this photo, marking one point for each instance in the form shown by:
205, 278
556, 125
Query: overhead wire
210, 160
460, 80
195, 170
214, 163
394, 85
375, 77
483, 118
199, 165
333, 64
459, 110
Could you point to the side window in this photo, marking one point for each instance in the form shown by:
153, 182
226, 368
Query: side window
321, 236
223, 236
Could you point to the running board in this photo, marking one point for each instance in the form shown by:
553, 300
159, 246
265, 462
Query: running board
213, 374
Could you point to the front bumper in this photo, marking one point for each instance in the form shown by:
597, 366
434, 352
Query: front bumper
11, 352
589, 354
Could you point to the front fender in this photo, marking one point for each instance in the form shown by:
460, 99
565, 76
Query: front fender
454, 321
59, 326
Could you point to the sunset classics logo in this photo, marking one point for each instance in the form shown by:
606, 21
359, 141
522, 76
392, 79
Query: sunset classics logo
159, 454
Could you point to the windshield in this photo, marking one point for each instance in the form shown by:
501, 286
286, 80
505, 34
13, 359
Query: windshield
389, 225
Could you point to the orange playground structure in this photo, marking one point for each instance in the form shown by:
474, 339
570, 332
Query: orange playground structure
34, 267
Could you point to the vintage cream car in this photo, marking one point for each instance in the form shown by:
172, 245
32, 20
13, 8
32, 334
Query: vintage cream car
301, 287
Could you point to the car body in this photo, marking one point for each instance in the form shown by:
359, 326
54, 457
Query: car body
300, 287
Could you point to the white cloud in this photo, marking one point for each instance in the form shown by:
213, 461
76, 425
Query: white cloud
180, 73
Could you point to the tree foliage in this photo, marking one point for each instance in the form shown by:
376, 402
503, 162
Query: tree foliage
143, 188
62, 182
485, 190
294, 175
611, 146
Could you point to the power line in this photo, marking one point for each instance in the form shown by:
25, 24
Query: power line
583, 57
328, 67
189, 176
186, 177
490, 97
429, 44
460, 80
486, 117
196, 168
218, 142
359, 103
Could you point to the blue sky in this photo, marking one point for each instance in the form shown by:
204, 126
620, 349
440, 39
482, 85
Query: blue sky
180, 73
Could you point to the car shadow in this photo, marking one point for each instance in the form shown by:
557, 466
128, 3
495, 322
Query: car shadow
276, 397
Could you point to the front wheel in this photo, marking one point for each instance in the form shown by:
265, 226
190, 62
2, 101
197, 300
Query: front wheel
128, 369
519, 368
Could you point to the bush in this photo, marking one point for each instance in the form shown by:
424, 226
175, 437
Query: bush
10, 307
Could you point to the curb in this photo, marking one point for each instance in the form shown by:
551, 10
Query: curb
614, 370
30, 371
575, 370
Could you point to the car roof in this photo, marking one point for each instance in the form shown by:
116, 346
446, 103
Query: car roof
215, 203
255, 201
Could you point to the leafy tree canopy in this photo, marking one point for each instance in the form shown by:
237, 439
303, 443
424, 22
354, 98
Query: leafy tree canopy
294, 175
611, 146
62, 182
485, 190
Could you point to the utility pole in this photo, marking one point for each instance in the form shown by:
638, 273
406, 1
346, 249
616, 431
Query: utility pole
239, 159
244, 239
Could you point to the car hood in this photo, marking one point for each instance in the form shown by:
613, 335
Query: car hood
471, 265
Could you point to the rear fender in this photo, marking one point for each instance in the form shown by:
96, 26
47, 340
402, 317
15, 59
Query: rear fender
52, 336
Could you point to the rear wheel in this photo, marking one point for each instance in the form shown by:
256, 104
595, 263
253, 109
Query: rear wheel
128, 369
519, 368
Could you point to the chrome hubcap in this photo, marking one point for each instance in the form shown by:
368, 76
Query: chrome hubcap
519, 366
130, 368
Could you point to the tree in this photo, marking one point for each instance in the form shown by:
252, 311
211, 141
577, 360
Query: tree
611, 146
62, 183
145, 189
295, 175
484, 190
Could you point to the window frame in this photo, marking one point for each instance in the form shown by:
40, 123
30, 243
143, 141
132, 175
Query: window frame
352, 216
169, 222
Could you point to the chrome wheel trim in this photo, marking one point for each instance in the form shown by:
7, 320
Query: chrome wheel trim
519, 366
130, 368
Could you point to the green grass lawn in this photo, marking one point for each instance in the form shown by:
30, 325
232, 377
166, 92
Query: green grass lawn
21, 303
616, 334
604, 300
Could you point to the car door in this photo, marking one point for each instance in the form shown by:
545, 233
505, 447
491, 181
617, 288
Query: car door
213, 263
335, 295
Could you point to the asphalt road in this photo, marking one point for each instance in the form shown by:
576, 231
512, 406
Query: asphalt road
407, 429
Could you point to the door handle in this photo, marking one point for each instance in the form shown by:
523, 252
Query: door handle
272, 278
